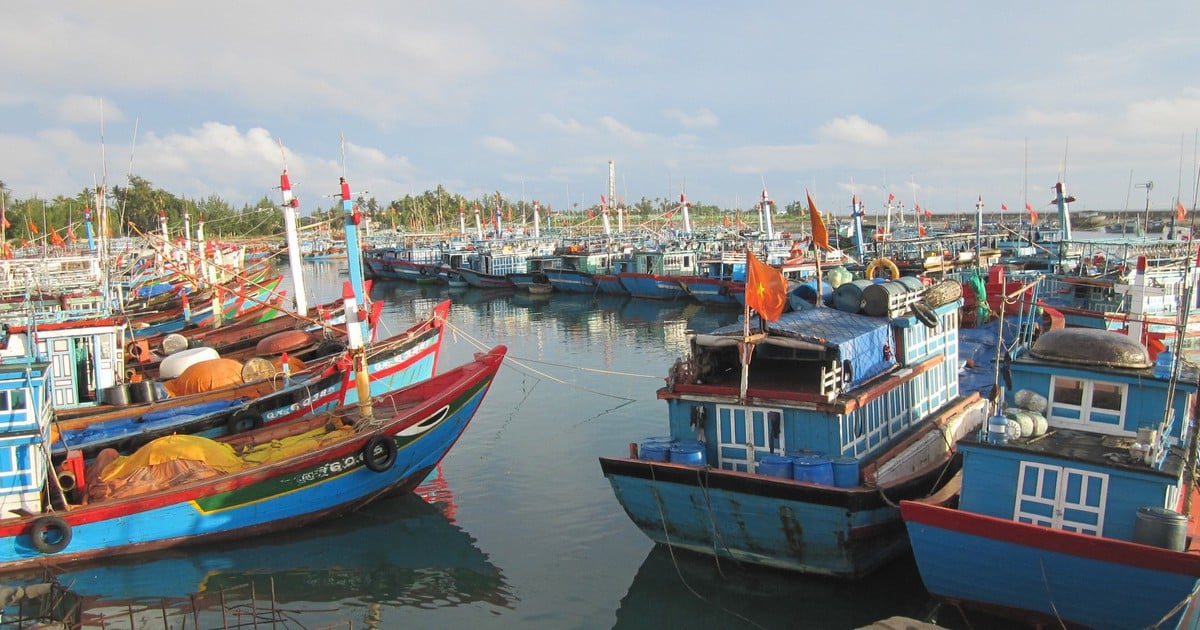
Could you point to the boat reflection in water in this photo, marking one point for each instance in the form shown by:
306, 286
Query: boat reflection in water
688, 590
401, 552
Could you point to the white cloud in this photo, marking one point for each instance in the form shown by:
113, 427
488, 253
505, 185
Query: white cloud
80, 109
702, 118
853, 129
498, 145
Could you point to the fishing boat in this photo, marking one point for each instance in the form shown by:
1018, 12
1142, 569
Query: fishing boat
1075, 502
184, 489
789, 446
655, 273
269, 396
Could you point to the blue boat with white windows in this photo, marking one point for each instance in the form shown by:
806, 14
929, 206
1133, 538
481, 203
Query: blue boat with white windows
789, 446
1075, 502
655, 274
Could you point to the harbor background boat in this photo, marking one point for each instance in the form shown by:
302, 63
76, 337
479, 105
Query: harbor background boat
552, 547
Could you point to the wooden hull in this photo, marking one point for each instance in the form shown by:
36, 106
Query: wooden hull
710, 290
421, 423
481, 280
1045, 575
652, 286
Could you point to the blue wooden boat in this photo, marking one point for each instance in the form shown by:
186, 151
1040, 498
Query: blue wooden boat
577, 270
1073, 508
795, 459
655, 274
719, 280
256, 482
413, 263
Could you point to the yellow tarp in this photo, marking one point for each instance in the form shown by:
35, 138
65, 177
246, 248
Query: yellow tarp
215, 455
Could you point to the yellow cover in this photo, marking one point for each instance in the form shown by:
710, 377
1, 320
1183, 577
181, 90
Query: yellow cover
213, 454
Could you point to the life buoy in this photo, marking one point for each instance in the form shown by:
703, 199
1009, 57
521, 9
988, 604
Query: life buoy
244, 420
138, 351
50, 534
380, 453
884, 263
925, 314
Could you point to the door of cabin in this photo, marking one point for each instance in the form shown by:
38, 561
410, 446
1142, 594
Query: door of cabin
1063, 498
744, 431
64, 377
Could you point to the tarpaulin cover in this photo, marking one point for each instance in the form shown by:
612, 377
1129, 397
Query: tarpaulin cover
206, 376
859, 339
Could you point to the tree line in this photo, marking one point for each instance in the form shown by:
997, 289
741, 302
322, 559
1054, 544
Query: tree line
136, 208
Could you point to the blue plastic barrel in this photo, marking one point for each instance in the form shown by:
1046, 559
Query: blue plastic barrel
775, 466
845, 472
848, 297
688, 452
654, 451
996, 427
808, 291
813, 469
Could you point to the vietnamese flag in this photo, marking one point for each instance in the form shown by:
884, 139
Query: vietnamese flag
891, 197
1180, 211
1003, 207
819, 235
766, 290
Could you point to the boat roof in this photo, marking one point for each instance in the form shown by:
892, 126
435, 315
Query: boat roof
1085, 447
827, 327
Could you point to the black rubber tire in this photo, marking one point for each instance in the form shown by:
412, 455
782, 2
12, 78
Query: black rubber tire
380, 453
244, 420
925, 315
50, 534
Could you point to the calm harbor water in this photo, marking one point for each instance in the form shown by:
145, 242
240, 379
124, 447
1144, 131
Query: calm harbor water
520, 528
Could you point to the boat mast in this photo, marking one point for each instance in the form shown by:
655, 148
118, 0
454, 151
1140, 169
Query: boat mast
290, 204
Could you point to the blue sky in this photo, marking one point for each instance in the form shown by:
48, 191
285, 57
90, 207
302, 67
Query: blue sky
935, 102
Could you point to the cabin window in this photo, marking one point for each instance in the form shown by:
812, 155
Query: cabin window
1097, 403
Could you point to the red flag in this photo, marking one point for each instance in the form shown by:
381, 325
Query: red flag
33, 228
1180, 211
928, 214
56, 239
1003, 207
920, 230
819, 235
766, 290
891, 197
1033, 215
1028, 207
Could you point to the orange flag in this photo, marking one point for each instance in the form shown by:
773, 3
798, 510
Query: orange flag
56, 239
33, 228
766, 290
819, 236
1180, 211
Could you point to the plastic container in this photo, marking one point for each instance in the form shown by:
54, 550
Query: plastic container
175, 364
878, 299
142, 392
848, 297
813, 469
808, 291
997, 427
1164, 365
654, 451
1160, 527
117, 395
690, 453
775, 466
845, 472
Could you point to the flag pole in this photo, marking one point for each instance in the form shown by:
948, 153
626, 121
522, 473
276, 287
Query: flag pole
745, 348
817, 261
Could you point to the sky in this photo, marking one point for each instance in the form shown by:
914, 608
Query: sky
937, 103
